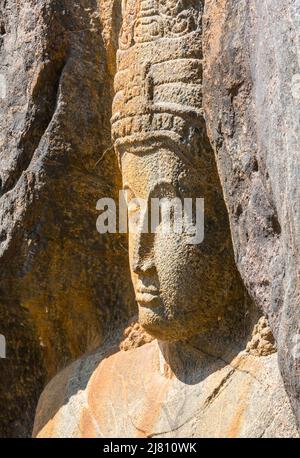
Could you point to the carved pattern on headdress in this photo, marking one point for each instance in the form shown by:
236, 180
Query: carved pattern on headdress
148, 20
159, 80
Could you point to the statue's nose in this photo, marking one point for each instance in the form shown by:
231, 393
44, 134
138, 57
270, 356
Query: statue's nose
143, 254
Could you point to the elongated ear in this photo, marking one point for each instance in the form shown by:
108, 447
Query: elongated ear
251, 100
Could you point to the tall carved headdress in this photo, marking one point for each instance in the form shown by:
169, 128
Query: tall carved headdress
158, 85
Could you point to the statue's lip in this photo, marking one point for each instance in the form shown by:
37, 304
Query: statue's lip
148, 290
146, 298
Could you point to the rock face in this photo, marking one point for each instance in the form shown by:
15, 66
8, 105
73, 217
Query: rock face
244, 397
251, 101
160, 138
202, 377
62, 285
184, 67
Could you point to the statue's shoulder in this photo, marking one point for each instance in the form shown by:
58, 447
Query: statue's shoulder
66, 390
66, 406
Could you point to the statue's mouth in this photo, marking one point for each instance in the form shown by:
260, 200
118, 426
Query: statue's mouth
147, 294
146, 298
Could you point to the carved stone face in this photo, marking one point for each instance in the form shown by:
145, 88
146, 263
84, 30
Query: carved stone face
181, 289
159, 132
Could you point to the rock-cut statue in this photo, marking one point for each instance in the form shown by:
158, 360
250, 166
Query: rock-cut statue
210, 366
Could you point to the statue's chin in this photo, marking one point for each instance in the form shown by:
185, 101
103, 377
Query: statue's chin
162, 325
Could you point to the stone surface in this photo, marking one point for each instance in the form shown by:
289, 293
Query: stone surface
202, 377
62, 286
262, 342
150, 397
182, 66
160, 138
251, 103
134, 336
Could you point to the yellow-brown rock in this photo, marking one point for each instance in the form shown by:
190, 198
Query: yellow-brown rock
200, 377
141, 393
63, 287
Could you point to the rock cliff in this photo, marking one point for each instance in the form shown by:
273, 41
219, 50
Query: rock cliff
64, 289
251, 101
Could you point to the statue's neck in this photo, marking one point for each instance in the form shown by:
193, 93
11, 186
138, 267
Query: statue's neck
188, 359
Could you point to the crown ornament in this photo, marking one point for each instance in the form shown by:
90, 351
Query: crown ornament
158, 85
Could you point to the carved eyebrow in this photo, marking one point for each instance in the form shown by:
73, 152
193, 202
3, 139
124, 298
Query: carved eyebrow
127, 188
168, 185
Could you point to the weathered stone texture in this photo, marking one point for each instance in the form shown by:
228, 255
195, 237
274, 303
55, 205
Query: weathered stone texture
251, 101
160, 137
242, 397
202, 377
62, 285
64, 289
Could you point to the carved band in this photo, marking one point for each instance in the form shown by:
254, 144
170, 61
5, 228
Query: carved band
158, 85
